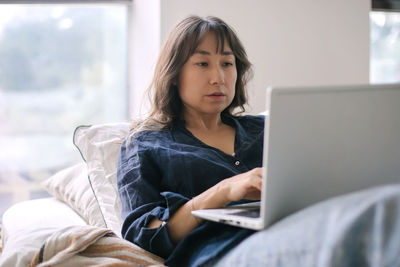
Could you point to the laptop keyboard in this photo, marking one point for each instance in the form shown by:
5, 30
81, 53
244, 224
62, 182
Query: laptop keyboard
252, 213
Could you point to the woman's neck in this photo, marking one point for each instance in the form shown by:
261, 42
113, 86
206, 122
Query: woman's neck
212, 131
203, 121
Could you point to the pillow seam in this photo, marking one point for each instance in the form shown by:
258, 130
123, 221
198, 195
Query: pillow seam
90, 182
98, 203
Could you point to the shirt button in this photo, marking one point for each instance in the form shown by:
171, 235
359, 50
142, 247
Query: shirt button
237, 163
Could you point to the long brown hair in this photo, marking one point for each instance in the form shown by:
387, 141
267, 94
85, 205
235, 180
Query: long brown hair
181, 43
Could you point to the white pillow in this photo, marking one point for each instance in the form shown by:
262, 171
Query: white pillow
99, 146
72, 187
27, 224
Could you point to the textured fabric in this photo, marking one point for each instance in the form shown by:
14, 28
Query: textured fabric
357, 229
91, 246
160, 171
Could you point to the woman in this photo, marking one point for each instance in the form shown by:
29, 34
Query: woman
193, 151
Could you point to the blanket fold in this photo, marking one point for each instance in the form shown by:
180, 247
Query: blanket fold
91, 246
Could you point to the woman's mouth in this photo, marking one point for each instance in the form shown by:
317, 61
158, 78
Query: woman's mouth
216, 96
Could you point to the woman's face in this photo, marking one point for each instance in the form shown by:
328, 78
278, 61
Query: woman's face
207, 80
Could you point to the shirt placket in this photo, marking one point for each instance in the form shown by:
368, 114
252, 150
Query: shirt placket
239, 164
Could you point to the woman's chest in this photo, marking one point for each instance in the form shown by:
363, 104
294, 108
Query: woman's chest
190, 169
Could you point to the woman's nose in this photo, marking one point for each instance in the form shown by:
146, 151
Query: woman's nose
217, 76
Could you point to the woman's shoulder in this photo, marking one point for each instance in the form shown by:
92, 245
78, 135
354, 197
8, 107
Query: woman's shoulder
147, 139
152, 135
149, 134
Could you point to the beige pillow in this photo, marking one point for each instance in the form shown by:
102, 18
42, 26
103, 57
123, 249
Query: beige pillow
71, 186
99, 146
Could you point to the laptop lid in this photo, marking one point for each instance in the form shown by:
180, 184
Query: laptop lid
325, 141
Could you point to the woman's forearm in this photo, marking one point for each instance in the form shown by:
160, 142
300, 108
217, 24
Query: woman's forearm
183, 222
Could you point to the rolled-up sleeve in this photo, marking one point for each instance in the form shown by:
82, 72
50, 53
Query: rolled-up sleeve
143, 199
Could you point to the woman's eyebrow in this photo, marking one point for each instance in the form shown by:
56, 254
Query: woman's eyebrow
227, 53
204, 52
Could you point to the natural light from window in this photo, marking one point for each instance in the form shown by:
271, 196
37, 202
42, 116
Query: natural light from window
385, 47
60, 66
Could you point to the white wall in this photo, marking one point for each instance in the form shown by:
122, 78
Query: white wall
145, 39
303, 42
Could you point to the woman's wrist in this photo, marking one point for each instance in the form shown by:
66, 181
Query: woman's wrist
214, 197
222, 193
193, 207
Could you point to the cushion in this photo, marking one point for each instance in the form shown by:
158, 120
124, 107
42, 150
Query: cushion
26, 225
72, 187
99, 146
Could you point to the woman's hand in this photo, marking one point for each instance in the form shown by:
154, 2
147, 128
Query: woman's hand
245, 185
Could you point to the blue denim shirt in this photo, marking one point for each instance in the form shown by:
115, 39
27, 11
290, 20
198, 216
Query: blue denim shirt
158, 172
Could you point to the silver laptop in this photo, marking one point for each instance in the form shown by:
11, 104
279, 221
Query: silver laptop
321, 142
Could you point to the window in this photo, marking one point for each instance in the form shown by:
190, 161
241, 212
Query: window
60, 66
385, 42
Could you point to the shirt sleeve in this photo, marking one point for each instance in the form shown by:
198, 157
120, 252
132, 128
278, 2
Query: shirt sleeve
143, 199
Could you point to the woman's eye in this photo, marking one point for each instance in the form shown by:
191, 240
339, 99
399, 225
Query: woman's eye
227, 64
202, 64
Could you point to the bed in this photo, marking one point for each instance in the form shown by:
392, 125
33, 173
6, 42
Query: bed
80, 224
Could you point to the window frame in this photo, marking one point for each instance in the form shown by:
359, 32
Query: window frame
386, 5
128, 2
